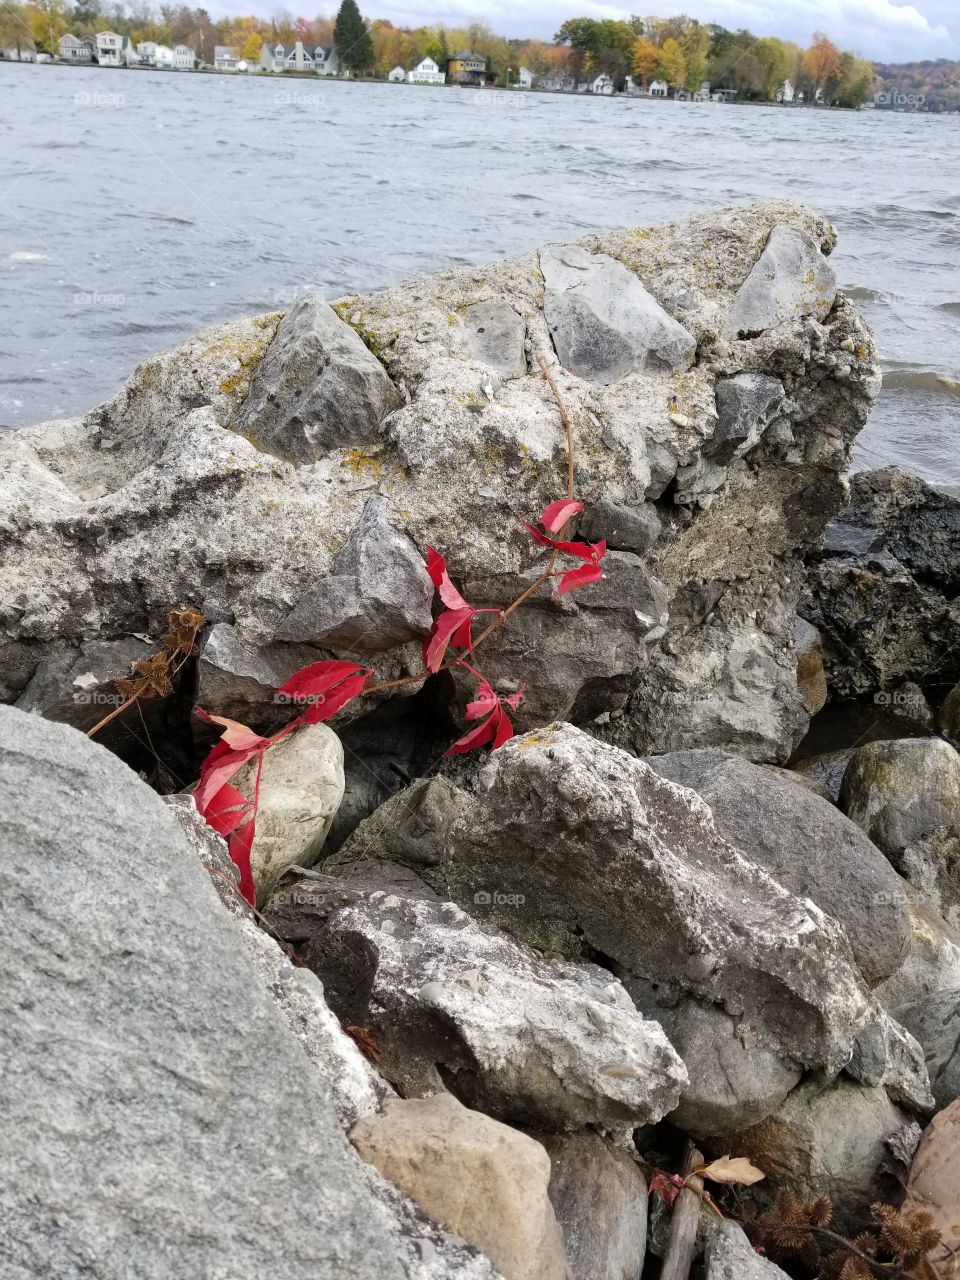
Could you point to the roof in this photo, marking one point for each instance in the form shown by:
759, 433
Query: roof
224, 51
466, 56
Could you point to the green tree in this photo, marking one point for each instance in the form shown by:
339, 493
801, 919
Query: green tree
695, 44
672, 66
779, 61
352, 39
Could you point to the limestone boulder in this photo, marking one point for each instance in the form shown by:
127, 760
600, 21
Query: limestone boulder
791, 278
901, 791
935, 1023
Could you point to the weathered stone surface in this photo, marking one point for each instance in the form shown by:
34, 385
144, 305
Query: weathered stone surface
600, 1199
811, 680
195, 513
378, 594
456, 1006
495, 334
935, 1023
932, 866
902, 791
948, 717
791, 278
825, 770
885, 1053
884, 592
806, 845
607, 852
77, 685
731, 1256
932, 1187
933, 962
116, 1147
301, 785
621, 528
734, 1082
833, 1139
239, 680
603, 322
480, 1179
317, 388
745, 405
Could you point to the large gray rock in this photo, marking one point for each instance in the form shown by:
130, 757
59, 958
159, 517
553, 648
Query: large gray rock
791, 278
480, 1179
884, 593
747, 404
377, 596
140, 1153
608, 854
933, 962
806, 845
495, 334
317, 388
600, 1199
731, 1256
622, 528
935, 1023
603, 322
902, 791
453, 1005
77, 686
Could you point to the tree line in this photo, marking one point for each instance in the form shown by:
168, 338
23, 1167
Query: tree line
679, 50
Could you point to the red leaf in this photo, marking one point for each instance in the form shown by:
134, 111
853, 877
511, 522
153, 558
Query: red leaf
437, 569
226, 810
581, 577
326, 706
443, 631
241, 843
219, 767
504, 729
484, 704
237, 736
515, 698
316, 679
560, 513
476, 737
582, 550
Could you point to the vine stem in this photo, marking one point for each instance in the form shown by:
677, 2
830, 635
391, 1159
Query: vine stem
135, 698
535, 586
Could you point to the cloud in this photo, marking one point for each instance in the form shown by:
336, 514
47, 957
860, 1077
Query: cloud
878, 29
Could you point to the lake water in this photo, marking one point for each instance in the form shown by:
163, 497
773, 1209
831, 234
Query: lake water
137, 207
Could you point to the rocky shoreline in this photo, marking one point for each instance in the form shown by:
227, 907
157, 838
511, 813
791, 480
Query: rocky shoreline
486, 1007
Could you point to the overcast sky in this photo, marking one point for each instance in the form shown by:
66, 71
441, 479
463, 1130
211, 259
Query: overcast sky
879, 29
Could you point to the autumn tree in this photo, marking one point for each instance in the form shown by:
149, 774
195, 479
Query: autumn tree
821, 62
695, 44
672, 66
352, 39
250, 46
47, 20
779, 61
646, 58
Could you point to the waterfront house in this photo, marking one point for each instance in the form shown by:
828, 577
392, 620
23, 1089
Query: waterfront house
397, 75
184, 58
147, 52
786, 92
163, 58
273, 57
561, 82
525, 79
467, 68
659, 89
226, 57
325, 60
426, 72
76, 50
109, 49
601, 85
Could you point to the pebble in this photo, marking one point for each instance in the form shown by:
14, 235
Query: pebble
680, 420
847, 345
355, 318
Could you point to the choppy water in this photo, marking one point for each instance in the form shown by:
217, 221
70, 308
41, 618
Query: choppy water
136, 207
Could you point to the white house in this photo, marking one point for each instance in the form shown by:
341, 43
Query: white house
561, 82
226, 58
786, 92
525, 79
25, 51
184, 58
325, 60
109, 49
397, 75
76, 50
273, 57
426, 72
659, 89
601, 84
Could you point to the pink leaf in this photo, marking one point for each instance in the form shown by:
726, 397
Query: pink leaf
581, 577
484, 704
443, 631
476, 737
312, 681
216, 771
237, 736
241, 843
437, 569
226, 810
504, 729
516, 698
582, 550
326, 706
560, 513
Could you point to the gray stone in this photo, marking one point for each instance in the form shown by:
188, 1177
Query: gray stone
932, 865
77, 686
791, 279
495, 334
948, 716
811, 680
600, 1199
317, 388
476, 1177
239, 680
885, 1053
211, 850
603, 322
902, 791
806, 845
116, 1146
456, 1006
746, 403
622, 528
734, 1081
935, 1023
377, 596
932, 964
731, 1256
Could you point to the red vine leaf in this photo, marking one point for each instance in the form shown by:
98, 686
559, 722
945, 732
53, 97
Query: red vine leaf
226, 810
236, 735
437, 570
560, 513
315, 680
326, 706
496, 729
581, 577
240, 845
453, 626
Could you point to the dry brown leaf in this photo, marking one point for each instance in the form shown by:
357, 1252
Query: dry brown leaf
733, 1169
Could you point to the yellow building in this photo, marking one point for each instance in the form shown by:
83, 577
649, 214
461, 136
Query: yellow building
467, 68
